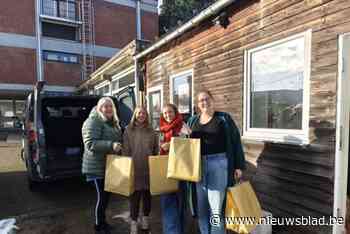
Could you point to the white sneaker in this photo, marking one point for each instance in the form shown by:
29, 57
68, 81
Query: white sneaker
145, 223
133, 227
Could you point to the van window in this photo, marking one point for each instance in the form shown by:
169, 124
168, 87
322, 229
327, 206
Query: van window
65, 111
128, 102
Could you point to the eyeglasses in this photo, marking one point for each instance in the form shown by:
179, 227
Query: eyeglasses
204, 100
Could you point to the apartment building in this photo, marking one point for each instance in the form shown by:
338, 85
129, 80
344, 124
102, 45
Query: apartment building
62, 42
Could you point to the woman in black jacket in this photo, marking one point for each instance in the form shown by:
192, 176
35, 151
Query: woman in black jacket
222, 161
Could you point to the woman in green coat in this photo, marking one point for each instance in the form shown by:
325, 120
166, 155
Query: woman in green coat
101, 135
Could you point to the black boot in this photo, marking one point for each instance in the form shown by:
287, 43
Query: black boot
103, 229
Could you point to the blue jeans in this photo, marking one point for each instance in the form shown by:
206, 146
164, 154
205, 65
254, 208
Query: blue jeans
173, 209
211, 192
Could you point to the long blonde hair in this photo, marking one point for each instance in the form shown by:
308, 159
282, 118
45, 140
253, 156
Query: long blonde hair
133, 119
103, 101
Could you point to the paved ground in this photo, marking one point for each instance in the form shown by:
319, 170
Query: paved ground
62, 207
66, 207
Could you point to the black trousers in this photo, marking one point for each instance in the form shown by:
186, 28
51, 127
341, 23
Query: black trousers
135, 200
101, 202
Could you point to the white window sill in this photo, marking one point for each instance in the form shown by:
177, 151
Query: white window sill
66, 21
300, 140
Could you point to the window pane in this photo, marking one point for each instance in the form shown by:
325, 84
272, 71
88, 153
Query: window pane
59, 31
74, 59
103, 90
53, 57
155, 108
20, 109
6, 108
277, 75
63, 9
125, 109
99, 91
128, 102
65, 58
6, 114
71, 10
58, 8
106, 90
49, 7
182, 95
127, 80
115, 85
60, 57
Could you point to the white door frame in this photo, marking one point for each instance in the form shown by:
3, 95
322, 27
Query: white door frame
152, 90
342, 132
171, 86
158, 88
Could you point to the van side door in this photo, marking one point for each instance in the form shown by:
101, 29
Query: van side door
126, 104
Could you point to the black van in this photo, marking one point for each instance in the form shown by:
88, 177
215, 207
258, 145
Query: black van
52, 140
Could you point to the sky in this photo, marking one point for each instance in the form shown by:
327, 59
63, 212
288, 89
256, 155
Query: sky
279, 67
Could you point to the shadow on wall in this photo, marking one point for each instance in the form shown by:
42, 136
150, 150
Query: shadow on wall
250, 171
296, 180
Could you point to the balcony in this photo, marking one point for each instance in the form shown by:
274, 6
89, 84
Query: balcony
63, 11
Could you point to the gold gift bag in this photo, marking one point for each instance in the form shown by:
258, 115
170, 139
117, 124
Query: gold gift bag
241, 202
159, 183
119, 176
184, 159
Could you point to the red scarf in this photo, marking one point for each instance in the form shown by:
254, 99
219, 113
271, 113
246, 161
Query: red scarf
170, 129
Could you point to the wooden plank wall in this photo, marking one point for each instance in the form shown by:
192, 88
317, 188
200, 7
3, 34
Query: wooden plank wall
289, 180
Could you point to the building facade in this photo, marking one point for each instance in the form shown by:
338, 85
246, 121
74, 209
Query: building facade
118, 73
62, 42
281, 69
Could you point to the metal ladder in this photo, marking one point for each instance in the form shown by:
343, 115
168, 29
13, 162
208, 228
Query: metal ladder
88, 38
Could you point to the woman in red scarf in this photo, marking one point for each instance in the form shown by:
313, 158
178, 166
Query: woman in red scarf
172, 205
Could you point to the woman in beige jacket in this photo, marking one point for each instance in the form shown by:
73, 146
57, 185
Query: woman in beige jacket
139, 142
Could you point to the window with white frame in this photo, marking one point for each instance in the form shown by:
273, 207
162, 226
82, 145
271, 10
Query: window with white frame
102, 90
60, 57
181, 92
122, 80
11, 113
277, 90
155, 103
60, 8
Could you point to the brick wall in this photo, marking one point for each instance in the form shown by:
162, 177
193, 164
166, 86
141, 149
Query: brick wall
62, 74
17, 16
150, 25
17, 65
115, 25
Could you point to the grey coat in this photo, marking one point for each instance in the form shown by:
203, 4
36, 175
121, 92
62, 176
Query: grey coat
139, 143
98, 137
